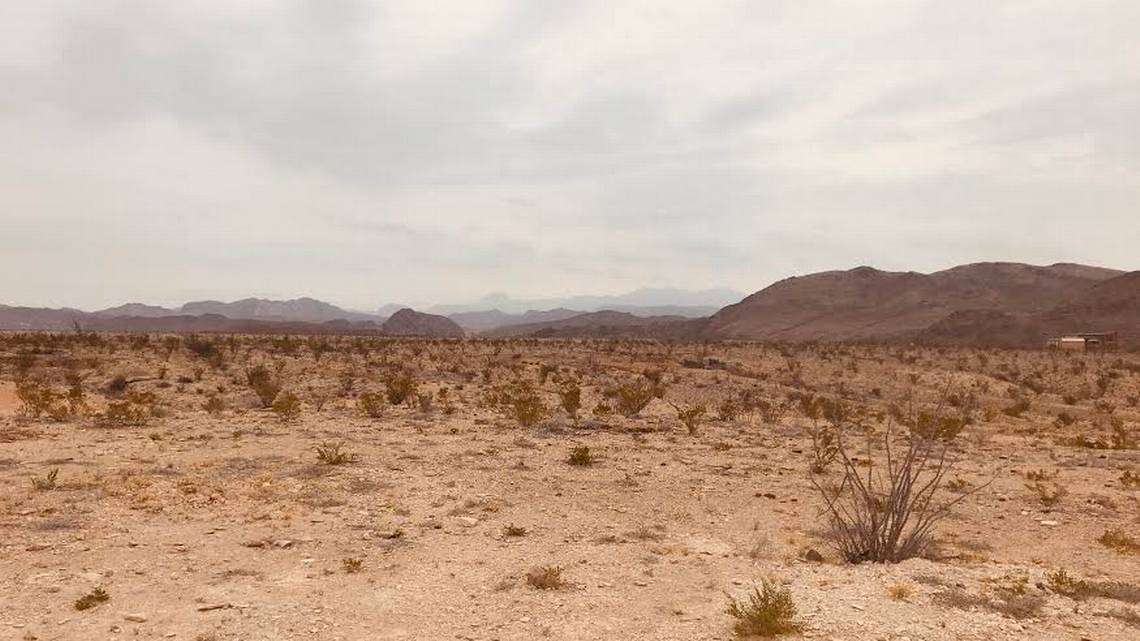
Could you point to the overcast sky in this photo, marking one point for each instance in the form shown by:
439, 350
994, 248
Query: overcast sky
368, 152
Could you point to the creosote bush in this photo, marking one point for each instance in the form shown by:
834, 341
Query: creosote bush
633, 397
581, 456
371, 404
520, 401
262, 382
287, 406
768, 611
400, 388
570, 398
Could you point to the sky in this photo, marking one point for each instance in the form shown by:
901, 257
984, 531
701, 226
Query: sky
430, 152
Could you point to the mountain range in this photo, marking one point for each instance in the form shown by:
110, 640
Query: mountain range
987, 304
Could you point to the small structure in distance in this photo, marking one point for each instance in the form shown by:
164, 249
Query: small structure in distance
1084, 342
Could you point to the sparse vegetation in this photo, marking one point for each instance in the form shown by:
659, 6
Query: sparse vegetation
581, 456
547, 577
768, 611
334, 454
93, 598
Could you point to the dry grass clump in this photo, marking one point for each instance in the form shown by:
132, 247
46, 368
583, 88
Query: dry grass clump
900, 590
547, 577
768, 611
352, 565
513, 530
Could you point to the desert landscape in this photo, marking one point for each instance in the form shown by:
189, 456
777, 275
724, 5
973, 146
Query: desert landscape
268, 486
605, 320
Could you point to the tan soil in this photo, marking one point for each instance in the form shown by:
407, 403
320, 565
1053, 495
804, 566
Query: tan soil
228, 527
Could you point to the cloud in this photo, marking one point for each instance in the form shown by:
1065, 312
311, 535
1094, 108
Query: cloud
425, 152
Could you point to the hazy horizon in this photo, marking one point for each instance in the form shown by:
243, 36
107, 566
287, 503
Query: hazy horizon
429, 153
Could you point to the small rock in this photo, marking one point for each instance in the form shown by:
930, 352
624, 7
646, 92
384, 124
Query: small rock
467, 521
813, 556
135, 618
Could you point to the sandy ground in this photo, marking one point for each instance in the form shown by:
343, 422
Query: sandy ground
227, 527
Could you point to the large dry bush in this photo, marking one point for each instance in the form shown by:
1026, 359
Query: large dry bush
888, 502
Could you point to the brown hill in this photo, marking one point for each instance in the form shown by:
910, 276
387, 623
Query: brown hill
408, 322
868, 304
605, 324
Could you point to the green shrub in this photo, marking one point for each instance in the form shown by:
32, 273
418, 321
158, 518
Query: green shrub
769, 611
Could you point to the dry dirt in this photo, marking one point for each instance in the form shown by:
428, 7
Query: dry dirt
227, 526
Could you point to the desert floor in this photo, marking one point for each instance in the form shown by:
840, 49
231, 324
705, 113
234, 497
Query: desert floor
225, 525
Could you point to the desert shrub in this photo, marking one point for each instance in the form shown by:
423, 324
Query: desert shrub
1065, 584
133, 409
1120, 437
582, 456
1130, 480
287, 406
570, 398
425, 402
351, 565
768, 611
400, 388
520, 401
371, 404
1018, 408
932, 425
690, 416
513, 530
38, 399
263, 383
1046, 487
47, 482
887, 511
547, 577
334, 454
900, 590
92, 599
633, 397
215, 405
1119, 540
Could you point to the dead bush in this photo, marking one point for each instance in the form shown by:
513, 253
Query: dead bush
886, 506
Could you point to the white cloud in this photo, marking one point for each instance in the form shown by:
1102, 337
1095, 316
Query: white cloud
426, 151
